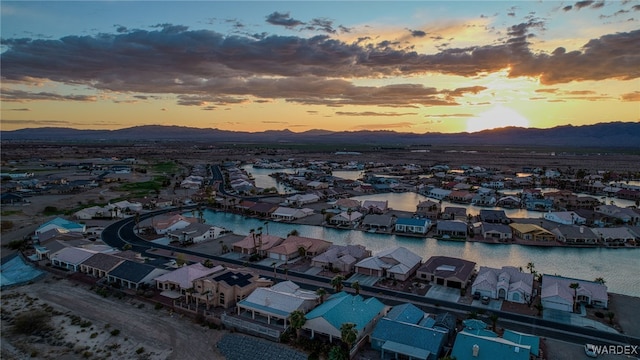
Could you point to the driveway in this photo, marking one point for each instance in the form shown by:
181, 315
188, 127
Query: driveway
444, 293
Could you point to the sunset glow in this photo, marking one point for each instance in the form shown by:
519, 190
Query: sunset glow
434, 66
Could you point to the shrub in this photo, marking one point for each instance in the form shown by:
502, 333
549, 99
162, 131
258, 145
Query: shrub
140, 350
115, 332
32, 322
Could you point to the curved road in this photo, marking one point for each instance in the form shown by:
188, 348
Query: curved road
122, 232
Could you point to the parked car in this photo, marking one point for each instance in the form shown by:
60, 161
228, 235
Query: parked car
590, 350
476, 296
486, 300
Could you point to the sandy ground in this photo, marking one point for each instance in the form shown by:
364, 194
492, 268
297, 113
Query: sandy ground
159, 333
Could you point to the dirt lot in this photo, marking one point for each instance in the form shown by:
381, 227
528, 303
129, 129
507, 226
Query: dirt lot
83, 322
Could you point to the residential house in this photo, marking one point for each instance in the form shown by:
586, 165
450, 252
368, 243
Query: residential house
501, 232
263, 209
429, 209
396, 263
346, 218
484, 199
508, 283
276, 303
486, 345
341, 257
377, 222
99, 265
615, 235
225, 289
181, 279
494, 216
90, 213
565, 217
508, 202
62, 224
302, 199
195, 233
557, 293
573, 234
447, 271
317, 185
293, 246
623, 215
70, 257
413, 225
163, 224
523, 339
8, 198
347, 204
454, 213
340, 308
290, 214
437, 193
390, 335
375, 206
531, 232
456, 229
257, 243
461, 196
132, 275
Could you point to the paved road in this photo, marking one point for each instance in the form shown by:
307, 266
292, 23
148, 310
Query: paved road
121, 233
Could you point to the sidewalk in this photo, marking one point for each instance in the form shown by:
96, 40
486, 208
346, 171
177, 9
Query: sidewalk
575, 320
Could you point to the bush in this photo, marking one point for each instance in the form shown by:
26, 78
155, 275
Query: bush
599, 315
35, 322
115, 332
140, 350
158, 306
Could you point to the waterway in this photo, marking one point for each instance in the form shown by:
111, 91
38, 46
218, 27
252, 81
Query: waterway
619, 267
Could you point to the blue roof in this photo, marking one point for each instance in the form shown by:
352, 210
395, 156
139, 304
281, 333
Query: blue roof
343, 308
409, 334
412, 222
63, 223
407, 312
489, 348
474, 324
131, 271
524, 339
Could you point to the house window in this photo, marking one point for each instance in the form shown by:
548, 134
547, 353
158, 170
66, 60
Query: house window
221, 298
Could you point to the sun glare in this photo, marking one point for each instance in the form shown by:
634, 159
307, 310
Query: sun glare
499, 116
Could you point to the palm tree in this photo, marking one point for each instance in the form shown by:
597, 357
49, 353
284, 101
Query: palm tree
297, 321
539, 307
252, 232
348, 334
356, 287
321, 292
302, 252
336, 282
531, 267
611, 315
600, 280
575, 287
494, 321
273, 264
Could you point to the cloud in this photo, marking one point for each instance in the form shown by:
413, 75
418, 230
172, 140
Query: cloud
37, 122
283, 19
274, 122
18, 109
567, 8
12, 95
383, 126
449, 115
373, 113
634, 96
418, 33
321, 24
583, 4
549, 91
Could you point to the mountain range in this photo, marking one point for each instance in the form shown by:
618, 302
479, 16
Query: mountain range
613, 134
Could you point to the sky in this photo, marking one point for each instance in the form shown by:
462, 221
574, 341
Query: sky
405, 66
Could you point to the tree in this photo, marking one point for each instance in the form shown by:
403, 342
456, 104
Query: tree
611, 315
356, 287
181, 259
273, 264
531, 267
600, 280
348, 334
336, 283
293, 232
494, 321
575, 287
302, 252
321, 292
297, 321
539, 307
337, 353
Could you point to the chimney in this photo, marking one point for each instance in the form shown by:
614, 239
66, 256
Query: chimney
476, 350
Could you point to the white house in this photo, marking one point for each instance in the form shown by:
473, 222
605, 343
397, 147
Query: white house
438, 193
346, 218
557, 293
508, 283
195, 233
289, 214
302, 199
564, 217
396, 263
414, 226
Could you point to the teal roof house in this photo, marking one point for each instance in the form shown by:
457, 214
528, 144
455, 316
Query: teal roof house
341, 308
488, 346
408, 332
61, 224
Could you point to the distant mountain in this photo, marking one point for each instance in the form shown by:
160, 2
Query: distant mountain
614, 134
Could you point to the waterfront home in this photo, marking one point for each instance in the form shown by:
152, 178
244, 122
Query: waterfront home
484, 199
276, 303
447, 271
508, 202
574, 234
454, 213
531, 232
195, 233
61, 224
390, 334
347, 204
346, 218
257, 243
501, 232
341, 308
452, 229
461, 196
290, 214
375, 206
181, 279
302, 199
619, 214
377, 222
413, 225
536, 204
317, 185
131, 275
70, 257
397, 263
98, 265
341, 257
263, 209
557, 293
226, 288
615, 236
295, 246
486, 345
508, 283
429, 209
564, 217
8, 198
494, 216
437, 193
165, 223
